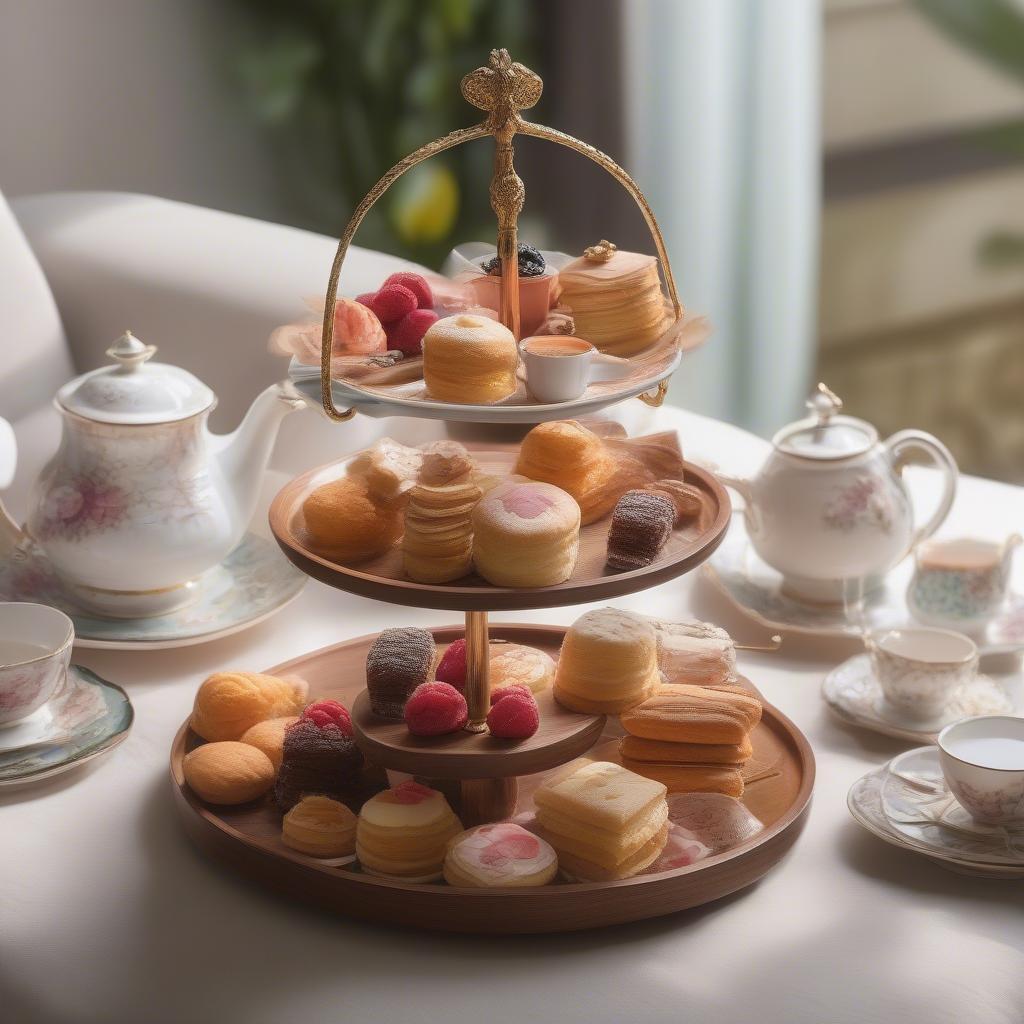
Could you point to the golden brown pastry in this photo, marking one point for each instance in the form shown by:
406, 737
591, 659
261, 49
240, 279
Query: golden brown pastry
438, 542
469, 360
680, 713
615, 298
227, 704
565, 453
691, 778
320, 827
268, 736
228, 772
345, 523
636, 748
608, 662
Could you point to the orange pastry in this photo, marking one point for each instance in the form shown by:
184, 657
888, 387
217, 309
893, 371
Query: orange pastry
636, 748
228, 772
227, 704
565, 453
608, 662
469, 360
345, 523
693, 714
268, 736
726, 779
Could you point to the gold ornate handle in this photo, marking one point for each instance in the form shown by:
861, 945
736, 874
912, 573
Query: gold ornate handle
503, 88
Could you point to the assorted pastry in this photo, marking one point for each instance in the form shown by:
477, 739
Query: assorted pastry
452, 519
687, 736
609, 298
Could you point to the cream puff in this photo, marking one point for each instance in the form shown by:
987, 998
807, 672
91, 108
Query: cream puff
526, 535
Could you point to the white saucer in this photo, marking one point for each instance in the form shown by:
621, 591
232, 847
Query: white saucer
87, 718
251, 584
865, 805
755, 588
919, 807
855, 695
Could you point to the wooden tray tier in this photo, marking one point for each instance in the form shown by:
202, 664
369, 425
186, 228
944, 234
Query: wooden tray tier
383, 579
247, 839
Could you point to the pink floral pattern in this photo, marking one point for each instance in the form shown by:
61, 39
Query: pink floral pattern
861, 503
79, 507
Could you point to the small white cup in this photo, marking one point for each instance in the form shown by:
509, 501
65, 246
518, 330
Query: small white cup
35, 651
559, 367
983, 761
920, 670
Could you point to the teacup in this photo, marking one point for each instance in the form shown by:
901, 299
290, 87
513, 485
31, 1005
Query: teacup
559, 367
983, 762
920, 670
35, 651
960, 583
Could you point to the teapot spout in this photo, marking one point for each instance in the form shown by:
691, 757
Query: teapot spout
243, 454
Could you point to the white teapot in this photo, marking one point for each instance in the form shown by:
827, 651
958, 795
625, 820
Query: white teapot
140, 498
829, 507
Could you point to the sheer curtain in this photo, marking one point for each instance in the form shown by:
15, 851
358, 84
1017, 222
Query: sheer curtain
722, 127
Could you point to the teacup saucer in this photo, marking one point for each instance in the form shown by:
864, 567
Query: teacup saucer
755, 588
855, 695
87, 718
919, 807
865, 804
252, 583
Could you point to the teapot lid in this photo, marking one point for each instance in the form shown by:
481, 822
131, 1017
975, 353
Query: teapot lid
825, 434
135, 391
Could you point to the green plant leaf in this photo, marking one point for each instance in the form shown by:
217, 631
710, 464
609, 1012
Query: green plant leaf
994, 29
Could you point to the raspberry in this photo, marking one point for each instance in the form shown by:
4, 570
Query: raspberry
323, 713
392, 302
434, 709
366, 299
417, 284
505, 691
407, 334
452, 666
514, 717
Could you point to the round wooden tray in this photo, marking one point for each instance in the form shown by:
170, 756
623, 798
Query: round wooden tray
382, 578
247, 839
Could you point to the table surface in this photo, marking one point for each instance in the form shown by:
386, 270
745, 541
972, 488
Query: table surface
107, 912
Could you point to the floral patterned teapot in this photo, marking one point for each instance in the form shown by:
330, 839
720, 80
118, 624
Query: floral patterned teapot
829, 507
141, 499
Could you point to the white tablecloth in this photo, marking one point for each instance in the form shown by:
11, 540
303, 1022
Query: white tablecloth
108, 914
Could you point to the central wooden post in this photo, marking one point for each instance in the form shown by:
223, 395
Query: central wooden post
478, 672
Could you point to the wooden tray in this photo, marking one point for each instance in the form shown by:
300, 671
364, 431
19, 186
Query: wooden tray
383, 579
247, 839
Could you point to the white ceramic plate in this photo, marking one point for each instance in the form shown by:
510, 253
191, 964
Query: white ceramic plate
251, 584
864, 802
755, 588
379, 403
853, 693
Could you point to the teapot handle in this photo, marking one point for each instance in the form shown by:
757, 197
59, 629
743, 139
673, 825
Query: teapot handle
10, 532
938, 455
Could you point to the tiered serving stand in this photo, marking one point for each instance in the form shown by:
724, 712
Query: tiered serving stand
487, 779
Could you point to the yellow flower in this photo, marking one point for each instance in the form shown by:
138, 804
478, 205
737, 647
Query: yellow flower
425, 204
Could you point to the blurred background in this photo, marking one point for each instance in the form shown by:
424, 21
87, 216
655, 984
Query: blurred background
840, 182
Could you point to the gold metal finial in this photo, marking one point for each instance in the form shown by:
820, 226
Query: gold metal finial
600, 253
501, 89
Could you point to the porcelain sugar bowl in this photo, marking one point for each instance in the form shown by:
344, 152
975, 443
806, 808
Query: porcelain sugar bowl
829, 509
141, 499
